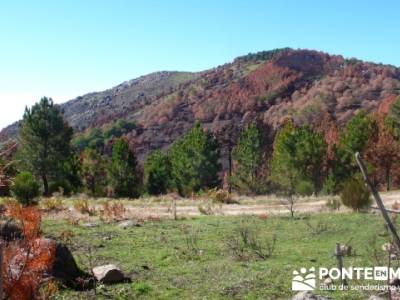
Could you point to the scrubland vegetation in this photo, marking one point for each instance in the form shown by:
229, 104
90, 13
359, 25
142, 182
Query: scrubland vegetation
205, 257
88, 193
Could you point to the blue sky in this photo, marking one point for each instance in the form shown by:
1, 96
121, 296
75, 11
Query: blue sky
63, 49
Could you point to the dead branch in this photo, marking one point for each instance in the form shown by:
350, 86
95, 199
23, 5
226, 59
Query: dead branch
378, 200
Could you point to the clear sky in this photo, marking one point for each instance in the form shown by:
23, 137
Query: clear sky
64, 49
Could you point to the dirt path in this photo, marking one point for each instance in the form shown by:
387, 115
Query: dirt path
312, 206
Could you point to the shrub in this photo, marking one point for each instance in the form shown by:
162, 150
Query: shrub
23, 275
355, 194
25, 188
191, 238
52, 203
206, 209
246, 243
221, 196
329, 186
112, 210
304, 188
82, 205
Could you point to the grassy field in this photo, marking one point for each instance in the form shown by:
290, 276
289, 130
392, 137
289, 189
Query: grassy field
192, 259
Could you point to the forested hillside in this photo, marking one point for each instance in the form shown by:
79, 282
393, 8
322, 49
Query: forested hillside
309, 87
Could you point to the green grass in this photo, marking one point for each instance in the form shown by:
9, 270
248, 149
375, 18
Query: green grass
162, 266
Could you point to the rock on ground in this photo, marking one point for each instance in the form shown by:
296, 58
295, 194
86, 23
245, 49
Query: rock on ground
375, 298
67, 271
108, 274
309, 296
127, 224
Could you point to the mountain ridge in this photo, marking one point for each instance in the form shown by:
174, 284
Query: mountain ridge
307, 86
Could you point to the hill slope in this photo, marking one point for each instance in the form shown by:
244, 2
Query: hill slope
307, 86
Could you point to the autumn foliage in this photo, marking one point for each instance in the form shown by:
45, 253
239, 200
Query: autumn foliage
26, 261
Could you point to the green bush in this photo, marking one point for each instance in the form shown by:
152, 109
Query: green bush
355, 194
304, 188
25, 188
329, 186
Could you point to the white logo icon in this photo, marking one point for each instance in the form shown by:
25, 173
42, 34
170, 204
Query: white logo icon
304, 281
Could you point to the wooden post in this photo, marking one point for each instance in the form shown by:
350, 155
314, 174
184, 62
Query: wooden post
339, 258
174, 209
379, 201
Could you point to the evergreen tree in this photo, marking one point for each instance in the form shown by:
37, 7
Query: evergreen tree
310, 156
122, 173
354, 138
195, 161
69, 179
94, 173
298, 160
248, 156
283, 169
44, 142
157, 173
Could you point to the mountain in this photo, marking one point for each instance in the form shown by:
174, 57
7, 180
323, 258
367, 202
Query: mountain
269, 87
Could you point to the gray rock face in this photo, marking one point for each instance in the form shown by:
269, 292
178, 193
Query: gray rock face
307, 295
108, 274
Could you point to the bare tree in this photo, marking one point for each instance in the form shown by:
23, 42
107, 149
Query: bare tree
289, 202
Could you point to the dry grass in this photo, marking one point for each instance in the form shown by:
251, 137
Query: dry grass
52, 203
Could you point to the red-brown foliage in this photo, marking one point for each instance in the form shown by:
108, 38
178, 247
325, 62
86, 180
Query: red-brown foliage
383, 152
27, 261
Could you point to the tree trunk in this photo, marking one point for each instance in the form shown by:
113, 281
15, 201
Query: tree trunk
230, 169
45, 185
388, 179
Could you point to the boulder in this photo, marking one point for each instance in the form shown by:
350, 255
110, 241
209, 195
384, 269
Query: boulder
388, 247
328, 281
127, 224
63, 268
307, 295
67, 271
373, 297
108, 274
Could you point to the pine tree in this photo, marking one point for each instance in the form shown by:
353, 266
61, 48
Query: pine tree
94, 172
354, 138
248, 161
311, 150
157, 173
123, 175
44, 142
195, 161
298, 160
